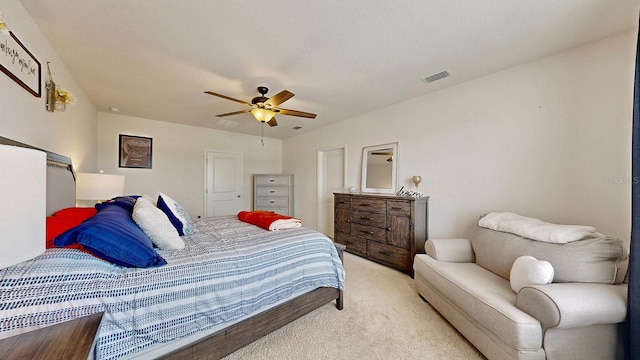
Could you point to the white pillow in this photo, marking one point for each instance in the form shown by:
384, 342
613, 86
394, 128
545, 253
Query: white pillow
156, 225
151, 199
176, 214
527, 270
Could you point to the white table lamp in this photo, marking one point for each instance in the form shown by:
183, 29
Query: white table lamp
23, 190
98, 187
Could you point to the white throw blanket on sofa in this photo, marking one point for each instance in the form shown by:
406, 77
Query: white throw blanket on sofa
536, 229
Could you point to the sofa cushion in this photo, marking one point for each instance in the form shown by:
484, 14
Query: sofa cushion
484, 296
598, 260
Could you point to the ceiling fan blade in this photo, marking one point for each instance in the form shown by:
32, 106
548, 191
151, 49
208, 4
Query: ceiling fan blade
272, 122
295, 113
235, 113
279, 98
226, 97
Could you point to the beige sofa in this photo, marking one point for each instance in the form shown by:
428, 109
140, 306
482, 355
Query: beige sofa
577, 316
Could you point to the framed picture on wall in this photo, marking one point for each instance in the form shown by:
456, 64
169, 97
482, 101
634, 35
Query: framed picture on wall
135, 152
19, 64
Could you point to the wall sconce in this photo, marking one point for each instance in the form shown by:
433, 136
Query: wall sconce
57, 98
4, 29
98, 187
416, 180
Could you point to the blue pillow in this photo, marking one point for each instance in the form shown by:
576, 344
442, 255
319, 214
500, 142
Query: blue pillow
125, 202
176, 214
112, 235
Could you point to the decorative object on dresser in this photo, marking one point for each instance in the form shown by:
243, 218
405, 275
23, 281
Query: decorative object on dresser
416, 179
273, 192
387, 229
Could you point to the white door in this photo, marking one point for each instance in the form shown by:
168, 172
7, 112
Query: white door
223, 183
332, 174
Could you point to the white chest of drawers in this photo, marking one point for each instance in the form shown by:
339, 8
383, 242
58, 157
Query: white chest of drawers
273, 192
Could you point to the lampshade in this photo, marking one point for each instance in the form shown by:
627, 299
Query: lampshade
91, 186
23, 190
263, 115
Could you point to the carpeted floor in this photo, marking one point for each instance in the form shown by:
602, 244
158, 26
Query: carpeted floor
383, 318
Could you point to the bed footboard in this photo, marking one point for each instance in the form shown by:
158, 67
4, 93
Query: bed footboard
228, 340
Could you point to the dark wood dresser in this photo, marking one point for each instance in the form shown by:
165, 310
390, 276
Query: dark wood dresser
387, 229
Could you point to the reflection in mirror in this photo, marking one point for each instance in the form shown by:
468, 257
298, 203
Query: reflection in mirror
379, 167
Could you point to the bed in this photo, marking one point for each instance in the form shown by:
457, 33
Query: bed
231, 284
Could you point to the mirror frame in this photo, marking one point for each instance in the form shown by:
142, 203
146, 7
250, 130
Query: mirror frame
394, 168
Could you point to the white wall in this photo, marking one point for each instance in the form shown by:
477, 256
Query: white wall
23, 117
548, 139
178, 158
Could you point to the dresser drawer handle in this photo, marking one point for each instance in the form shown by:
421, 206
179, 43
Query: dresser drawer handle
349, 221
367, 232
390, 254
366, 218
396, 208
271, 202
349, 242
272, 191
365, 204
272, 180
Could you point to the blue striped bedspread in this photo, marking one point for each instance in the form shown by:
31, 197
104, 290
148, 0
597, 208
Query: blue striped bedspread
228, 270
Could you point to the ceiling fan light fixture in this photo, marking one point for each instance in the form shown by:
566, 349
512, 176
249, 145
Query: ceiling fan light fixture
263, 115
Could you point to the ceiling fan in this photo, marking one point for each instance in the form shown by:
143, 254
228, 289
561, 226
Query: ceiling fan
263, 108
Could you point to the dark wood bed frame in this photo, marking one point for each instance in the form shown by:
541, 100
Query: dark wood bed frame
234, 337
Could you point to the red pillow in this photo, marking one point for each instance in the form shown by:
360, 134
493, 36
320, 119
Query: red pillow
84, 212
64, 220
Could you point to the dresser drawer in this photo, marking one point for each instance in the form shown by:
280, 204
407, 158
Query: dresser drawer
272, 191
368, 218
271, 202
277, 210
369, 232
398, 207
341, 201
390, 255
272, 180
354, 244
370, 205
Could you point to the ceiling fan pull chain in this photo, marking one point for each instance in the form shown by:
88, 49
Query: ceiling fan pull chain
262, 134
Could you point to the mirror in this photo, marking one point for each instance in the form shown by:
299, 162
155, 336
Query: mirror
379, 167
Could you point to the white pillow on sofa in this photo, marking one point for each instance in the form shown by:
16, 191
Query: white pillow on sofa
527, 270
155, 223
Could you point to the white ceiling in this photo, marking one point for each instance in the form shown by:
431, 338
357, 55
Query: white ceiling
155, 58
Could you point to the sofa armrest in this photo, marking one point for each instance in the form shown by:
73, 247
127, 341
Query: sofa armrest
571, 305
450, 250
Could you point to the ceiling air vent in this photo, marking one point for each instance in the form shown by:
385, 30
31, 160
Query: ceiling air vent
434, 77
228, 123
